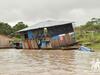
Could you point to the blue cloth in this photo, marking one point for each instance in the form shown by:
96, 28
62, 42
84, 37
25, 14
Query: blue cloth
30, 35
43, 44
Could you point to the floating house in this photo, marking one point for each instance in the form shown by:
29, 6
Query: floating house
48, 34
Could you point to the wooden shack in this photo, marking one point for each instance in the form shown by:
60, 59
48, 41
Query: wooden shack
48, 34
5, 41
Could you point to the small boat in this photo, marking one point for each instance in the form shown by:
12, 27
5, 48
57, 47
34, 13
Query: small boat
17, 45
83, 48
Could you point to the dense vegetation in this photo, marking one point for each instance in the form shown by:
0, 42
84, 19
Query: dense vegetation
6, 29
89, 34
19, 26
92, 25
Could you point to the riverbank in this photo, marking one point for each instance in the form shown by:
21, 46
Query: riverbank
89, 40
95, 47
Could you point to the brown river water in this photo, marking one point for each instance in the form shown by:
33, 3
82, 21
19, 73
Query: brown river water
47, 62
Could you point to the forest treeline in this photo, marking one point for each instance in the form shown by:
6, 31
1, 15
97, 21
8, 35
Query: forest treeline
89, 34
6, 29
92, 25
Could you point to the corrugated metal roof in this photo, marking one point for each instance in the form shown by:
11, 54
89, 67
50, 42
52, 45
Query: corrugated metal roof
48, 23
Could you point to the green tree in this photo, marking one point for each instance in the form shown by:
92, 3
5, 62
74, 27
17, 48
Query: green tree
19, 26
5, 28
92, 25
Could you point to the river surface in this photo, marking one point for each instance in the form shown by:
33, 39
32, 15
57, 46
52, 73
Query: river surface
47, 62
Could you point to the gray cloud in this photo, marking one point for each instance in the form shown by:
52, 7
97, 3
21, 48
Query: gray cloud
31, 11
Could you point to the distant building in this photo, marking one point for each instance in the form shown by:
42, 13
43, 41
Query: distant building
48, 34
5, 41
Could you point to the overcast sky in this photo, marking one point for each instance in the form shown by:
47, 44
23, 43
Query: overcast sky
32, 11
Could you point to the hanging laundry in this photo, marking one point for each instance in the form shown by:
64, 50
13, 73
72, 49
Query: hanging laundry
30, 35
62, 37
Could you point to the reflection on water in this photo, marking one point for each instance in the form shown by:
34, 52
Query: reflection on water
46, 62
